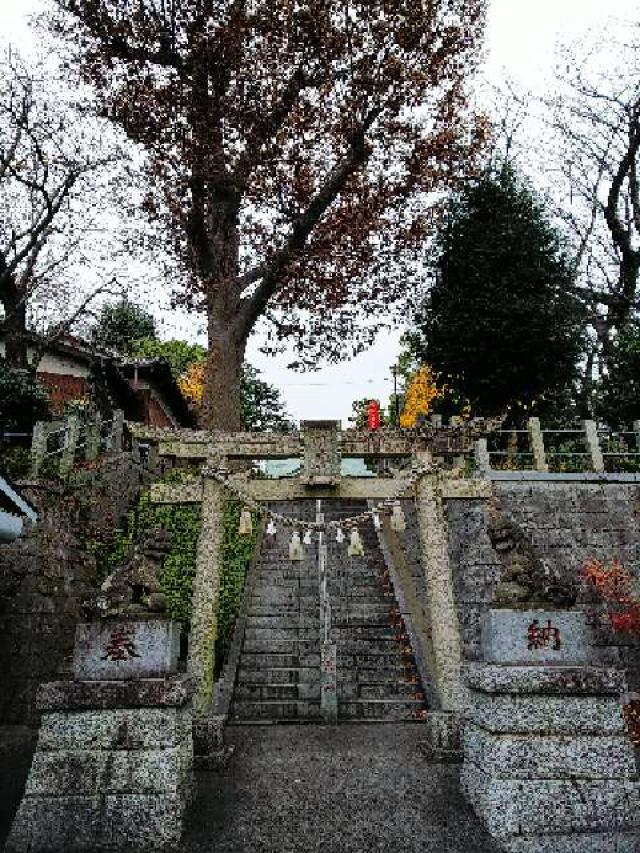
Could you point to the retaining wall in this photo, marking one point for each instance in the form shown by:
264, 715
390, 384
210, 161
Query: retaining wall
45, 576
567, 523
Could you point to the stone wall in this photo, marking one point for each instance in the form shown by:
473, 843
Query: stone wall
475, 567
567, 523
45, 576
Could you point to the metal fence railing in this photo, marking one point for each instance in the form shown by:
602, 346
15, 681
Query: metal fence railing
588, 448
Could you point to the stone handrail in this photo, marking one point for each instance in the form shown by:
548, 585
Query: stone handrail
76, 436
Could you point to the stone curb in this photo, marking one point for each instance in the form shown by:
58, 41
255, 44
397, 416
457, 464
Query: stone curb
547, 680
102, 695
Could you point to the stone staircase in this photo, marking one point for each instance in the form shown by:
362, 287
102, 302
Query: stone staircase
278, 677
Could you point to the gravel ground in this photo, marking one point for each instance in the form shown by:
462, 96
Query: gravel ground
350, 789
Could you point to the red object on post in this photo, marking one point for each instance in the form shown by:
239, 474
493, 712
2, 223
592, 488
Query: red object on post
373, 414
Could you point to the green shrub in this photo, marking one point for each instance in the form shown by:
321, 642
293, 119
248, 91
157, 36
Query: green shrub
237, 552
183, 522
22, 400
16, 460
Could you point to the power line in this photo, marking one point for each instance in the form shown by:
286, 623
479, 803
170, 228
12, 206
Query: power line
331, 384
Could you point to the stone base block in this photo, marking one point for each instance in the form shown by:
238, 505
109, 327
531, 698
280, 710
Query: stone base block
209, 750
113, 650
107, 779
443, 736
118, 729
171, 692
518, 756
546, 715
604, 842
535, 680
510, 807
76, 772
216, 760
81, 824
208, 733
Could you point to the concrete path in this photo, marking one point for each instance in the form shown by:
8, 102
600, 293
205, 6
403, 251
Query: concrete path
354, 788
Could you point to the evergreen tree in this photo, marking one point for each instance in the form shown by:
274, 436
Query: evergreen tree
501, 321
120, 324
619, 390
262, 407
180, 354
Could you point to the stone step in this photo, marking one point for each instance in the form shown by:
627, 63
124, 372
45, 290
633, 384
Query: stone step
289, 590
275, 634
384, 677
383, 645
346, 607
279, 647
260, 604
348, 591
278, 679
364, 628
391, 655
274, 709
291, 622
274, 613
281, 592
391, 690
355, 578
382, 709
309, 616
259, 661
282, 692
285, 609
360, 627
287, 569
279, 675
383, 674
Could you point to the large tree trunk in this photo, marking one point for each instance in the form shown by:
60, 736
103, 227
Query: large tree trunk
15, 326
222, 399
219, 253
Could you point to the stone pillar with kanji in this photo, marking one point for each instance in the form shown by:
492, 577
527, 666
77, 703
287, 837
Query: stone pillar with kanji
548, 765
113, 763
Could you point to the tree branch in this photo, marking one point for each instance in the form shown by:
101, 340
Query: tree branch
62, 327
620, 235
269, 124
123, 48
253, 306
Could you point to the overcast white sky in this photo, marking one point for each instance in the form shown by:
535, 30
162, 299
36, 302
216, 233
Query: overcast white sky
521, 40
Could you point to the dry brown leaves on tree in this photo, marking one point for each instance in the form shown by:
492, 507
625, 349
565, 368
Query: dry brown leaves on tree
296, 149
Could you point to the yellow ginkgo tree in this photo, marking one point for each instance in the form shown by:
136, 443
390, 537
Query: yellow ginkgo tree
191, 383
420, 395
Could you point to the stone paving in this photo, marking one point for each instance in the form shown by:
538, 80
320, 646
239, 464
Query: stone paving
355, 788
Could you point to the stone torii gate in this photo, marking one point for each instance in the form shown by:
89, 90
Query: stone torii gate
546, 762
438, 451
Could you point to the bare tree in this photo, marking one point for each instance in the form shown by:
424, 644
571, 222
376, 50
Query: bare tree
595, 144
46, 169
579, 143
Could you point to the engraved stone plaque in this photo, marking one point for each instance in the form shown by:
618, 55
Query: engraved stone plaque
534, 636
127, 649
321, 458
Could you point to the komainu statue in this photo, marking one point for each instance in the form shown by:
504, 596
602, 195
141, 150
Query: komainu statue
134, 587
525, 581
